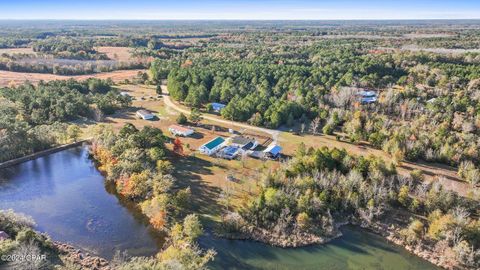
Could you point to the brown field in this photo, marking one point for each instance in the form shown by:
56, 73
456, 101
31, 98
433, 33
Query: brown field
116, 53
16, 78
17, 50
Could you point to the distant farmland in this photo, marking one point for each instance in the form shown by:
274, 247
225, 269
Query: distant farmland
15, 78
26, 60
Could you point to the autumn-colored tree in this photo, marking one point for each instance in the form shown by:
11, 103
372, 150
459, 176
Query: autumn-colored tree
413, 232
439, 224
158, 220
136, 186
403, 197
156, 210
178, 146
303, 221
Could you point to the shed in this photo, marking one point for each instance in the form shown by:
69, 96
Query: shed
255, 154
273, 151
212, 146
178, 130
217, 107
145, 115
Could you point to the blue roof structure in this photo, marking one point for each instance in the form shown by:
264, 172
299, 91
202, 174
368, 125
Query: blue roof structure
274, 150
230, 151
218, 106
214, 143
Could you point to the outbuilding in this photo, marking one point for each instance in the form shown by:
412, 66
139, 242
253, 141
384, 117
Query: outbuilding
230, 152
244, 143
212, 146
217, 107
178, 130
273, 151
145, 115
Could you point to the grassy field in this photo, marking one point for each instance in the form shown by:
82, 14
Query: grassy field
11, 51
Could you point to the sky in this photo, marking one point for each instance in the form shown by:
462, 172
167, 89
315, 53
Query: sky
239, 10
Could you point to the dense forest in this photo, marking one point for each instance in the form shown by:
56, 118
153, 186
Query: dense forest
34, 118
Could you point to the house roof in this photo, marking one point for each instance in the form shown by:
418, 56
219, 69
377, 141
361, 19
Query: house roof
369, 99
230, 150
367, 93
144, 112
180, 128
273, 149
248, 146
214, 143
242, 140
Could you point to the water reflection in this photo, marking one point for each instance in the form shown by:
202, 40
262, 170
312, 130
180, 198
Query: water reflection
68, 199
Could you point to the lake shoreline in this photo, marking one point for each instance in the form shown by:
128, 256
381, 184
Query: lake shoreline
389, 232
81, 258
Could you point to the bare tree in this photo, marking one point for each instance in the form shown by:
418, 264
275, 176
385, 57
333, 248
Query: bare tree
31, 257
315, 125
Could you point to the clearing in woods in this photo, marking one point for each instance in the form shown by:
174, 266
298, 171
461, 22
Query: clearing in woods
16, 78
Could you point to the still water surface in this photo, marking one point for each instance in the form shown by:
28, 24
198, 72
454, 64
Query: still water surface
68, 199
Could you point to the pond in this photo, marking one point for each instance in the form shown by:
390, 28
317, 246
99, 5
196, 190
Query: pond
68, 199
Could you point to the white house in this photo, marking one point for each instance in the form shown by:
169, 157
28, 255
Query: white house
145, 115
180, 130
212, 146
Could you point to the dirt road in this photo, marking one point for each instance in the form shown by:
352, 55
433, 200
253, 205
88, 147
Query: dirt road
169, 103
